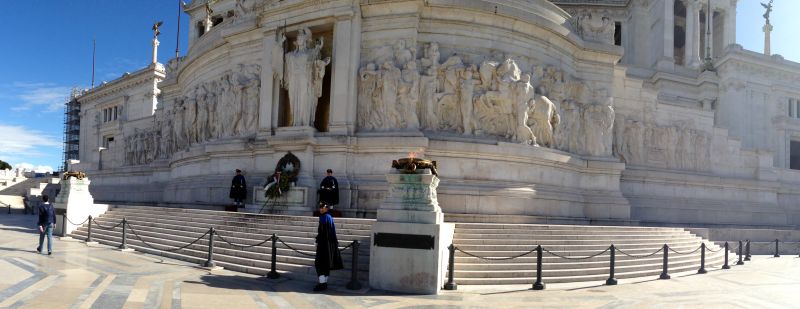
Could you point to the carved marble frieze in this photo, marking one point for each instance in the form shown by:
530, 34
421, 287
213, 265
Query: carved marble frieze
401, 89
676, 146
220, 108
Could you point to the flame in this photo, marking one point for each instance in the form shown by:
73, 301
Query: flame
417, 153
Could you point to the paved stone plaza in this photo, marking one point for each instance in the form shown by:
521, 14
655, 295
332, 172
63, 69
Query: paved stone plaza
77, 276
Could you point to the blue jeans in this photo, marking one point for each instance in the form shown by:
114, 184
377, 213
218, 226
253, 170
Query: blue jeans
48, 230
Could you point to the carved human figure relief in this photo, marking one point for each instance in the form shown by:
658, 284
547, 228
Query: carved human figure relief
523, 103
409, 95
303, 73
597, 28
544, 118
428, 99
390, 83
466, 91
368, 92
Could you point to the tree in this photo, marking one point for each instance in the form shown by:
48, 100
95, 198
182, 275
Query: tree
4, 165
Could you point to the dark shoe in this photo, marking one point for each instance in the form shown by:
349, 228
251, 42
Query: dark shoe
49, 253
39, 250
320, 287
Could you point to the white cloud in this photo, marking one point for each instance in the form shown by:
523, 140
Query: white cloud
31, 167
18, 143
51, 98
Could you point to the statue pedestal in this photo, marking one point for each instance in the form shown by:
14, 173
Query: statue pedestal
293, 202
75, 203
409, 252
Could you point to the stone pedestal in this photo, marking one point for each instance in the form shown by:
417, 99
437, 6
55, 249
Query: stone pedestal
77, 204
409, 240
293, 202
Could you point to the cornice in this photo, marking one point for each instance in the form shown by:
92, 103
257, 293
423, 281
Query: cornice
149, 74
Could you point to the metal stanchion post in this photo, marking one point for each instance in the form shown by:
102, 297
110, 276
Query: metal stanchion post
702, 269
747, 251
611, 280
273, 272
777, 252
124, 244
210, 261
538, 285
354, 284
665, 268
451, 263
726, 266
89, 232
739, 251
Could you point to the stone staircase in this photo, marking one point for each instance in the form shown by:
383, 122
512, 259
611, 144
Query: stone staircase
506, 240
169, 228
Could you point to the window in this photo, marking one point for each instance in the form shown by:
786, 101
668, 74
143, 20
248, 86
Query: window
107, 141
794, 155
618, 33
110, 114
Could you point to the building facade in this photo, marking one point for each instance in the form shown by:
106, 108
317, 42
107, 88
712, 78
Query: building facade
633, 111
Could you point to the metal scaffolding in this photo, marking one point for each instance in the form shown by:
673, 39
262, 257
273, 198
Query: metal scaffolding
72, 127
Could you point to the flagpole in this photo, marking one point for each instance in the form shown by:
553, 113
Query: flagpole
178, 35
94, 51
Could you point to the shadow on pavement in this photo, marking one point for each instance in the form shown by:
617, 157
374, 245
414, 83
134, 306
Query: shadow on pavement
277, 285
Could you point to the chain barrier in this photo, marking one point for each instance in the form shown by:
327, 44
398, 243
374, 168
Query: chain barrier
639, 256
295, 250
348, 246
576, 258
160, 249
105, 227
714, 251
70, 221
242, 246
683, 253
494, 258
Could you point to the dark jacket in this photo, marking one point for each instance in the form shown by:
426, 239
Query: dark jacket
329, 191
47, 214
238, 188
328, 256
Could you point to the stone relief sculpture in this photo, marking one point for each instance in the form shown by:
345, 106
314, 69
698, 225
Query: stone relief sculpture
303, 72
491, 97
222, 107
596, 27
676, 146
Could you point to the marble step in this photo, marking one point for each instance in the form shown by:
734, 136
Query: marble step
607, 238
550, 264
286, 230
303, 244
578, 270
305, 226
258, 267
600, 278
225, 214
688, 243
567, 242
489, 232
167, 242
563, 227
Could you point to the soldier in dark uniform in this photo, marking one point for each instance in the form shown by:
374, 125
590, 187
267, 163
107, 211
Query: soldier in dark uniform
328, 256
329, 190
238, 189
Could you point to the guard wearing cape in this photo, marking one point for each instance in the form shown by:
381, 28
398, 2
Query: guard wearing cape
328, 256
238, 189
329, 190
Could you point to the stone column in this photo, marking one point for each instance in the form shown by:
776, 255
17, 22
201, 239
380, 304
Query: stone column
155, 51
729, 34
767, 30
667, 60
692, 50
343, 76
266, 102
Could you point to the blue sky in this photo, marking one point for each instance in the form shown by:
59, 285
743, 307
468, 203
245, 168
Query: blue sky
47, 49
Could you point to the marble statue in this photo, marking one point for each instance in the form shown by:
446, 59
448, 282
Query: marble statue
303, 73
